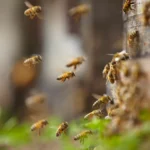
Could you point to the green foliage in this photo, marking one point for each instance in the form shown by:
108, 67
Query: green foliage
14, 134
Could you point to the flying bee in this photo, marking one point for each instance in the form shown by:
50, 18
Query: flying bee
66, 75
35, 99
39, 125
78, 11
75, 62
33, 60
132, 37
81, 136
32, 11
127, 6
106, 70
62, 127
95, 113
120, 56
105, 99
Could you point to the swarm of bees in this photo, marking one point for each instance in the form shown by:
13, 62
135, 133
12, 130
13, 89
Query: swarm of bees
79, 11
110, 71
128, 6
33, 11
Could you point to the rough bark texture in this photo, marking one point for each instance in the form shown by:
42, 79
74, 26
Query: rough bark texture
134, 20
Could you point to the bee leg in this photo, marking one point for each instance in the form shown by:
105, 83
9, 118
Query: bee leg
39, 132
65, 132
77, 18
82, 140
75, 67
63, 79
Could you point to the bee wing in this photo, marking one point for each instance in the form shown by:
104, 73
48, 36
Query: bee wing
28, 4
40, 16
96, 96
110, 54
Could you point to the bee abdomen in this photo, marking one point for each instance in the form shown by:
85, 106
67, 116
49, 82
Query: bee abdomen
77, 137
69, 65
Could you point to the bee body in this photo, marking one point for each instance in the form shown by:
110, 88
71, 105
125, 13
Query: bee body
81, 136
75, 62
103, 99
112, 74
106, 70
66, 75
32, 61
39, 125
132, 37
33, 11
35, 99
127, 6
78, 11
96, 113
123, 55
61, 128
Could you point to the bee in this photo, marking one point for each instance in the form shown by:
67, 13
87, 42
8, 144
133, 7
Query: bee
75, 62
39, 125
105, 99
123, 55
127, 6
78, 11
112, 74
81, 136
33, 60
62, 127
98, 113
146, 14
35, 99
32, 11
106, 70
66, 75
132, 37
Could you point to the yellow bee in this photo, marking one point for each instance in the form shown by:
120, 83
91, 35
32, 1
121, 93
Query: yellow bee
35, 99
75, 62
112, 74
62, 127
66, 75
132, 37
123, 55
78, 11
39, 125
33, 11
127, 6
106, 70
105, 99
81, 136
95, 113
33, 60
